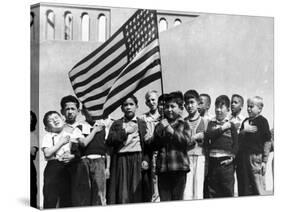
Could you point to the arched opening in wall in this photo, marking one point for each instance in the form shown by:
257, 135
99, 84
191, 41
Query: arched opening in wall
68, 26
85, 24
50, 25
177, 22
101, 28
32, 31
163, 25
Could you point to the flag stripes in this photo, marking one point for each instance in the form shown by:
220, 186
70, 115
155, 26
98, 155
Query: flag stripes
101, 52
138, 64
144, 83
125, 63
101, 64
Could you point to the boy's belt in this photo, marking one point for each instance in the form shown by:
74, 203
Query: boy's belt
217, 160
93, 156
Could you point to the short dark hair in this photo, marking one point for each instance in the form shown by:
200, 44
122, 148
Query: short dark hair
131, 97
222, 100
207, 96
191, 94
33, 121
176, 97
163, 97
239, 97
46, 116
67, 99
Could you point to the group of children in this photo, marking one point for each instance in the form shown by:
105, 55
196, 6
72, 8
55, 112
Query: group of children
159, 156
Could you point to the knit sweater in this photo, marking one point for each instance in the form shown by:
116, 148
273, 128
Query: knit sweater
218, 139
254, 142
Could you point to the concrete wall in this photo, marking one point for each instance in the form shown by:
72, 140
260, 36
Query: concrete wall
221, 54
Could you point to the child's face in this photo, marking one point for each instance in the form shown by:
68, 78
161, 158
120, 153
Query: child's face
129, 108
55, 123
221, 112
236, 105
252, 108
70, 112
203, 105
191, 106
172, 110
151, 101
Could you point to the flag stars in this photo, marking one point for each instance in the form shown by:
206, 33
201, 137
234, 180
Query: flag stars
139, 31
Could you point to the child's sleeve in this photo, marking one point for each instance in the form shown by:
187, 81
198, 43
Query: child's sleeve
76, 148
117, 135
213, 130
181, 135
158, 138
266, 135
234, 136
147, 151
47, 141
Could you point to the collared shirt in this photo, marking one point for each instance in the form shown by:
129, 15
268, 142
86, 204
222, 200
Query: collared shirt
237, 120
87, 128
50, 139
218, 124
132, 144
151, 121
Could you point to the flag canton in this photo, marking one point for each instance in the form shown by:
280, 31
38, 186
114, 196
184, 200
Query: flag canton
139, 31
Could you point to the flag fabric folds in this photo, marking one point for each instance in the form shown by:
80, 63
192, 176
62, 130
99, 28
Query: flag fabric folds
128, 61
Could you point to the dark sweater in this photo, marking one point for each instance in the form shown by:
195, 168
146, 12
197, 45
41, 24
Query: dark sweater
254, 142
218, 139
97, 144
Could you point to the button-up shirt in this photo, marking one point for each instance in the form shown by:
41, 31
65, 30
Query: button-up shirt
237, 121
51, 139
151, 121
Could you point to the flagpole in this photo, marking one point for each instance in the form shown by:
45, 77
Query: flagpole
161, 78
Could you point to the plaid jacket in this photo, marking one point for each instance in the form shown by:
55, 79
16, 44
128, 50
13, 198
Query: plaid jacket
172, 148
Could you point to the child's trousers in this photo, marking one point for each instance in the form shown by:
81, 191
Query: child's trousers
249, 174
94, 176
195, 178
220, 178
56, 189
171, 185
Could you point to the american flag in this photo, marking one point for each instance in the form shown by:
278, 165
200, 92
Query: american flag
125, 63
